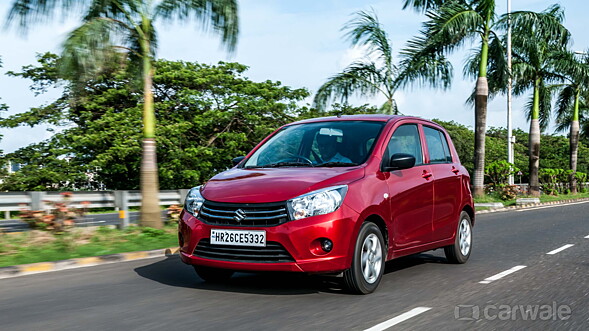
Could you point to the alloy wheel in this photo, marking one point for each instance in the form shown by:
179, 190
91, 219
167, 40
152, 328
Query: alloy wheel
464, 237
371, 258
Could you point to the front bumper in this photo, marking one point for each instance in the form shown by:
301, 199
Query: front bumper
299, 238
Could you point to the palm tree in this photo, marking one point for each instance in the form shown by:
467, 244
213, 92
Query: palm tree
572, 103
539, 39
377, 73
450, 24
114, 27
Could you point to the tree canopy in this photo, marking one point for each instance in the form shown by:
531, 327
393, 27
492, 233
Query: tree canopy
207, 115
377, 72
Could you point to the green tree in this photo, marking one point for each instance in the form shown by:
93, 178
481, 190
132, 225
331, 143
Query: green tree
377, 73
206, 116
450, 24
45, 167
463, 139
538, 39
572, 103
112, 27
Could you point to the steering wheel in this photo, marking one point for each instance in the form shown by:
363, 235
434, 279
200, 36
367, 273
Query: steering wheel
319, 158
295, 157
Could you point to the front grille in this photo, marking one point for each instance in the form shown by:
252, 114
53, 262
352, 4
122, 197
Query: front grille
272, 253
253, 214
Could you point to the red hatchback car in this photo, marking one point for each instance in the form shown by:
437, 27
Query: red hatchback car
332, 195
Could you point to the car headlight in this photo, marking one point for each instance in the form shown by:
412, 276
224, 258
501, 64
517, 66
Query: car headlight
315, 203
194, 201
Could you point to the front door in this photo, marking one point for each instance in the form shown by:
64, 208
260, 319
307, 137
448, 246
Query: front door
411, 191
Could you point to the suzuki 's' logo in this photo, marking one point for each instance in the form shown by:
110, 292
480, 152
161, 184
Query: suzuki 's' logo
239, 215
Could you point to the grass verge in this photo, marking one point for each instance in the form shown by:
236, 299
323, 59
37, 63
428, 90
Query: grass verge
543, 198
549, 198
487, 198
39, 246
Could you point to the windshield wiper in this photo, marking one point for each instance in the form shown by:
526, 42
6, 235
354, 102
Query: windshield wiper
285, 164
336, 164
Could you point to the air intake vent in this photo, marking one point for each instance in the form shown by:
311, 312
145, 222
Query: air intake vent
272, 253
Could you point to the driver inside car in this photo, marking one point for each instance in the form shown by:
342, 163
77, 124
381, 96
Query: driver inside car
328, 149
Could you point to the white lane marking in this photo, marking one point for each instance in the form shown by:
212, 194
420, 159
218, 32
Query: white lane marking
560, 249
587, 237
551, 206
502, 274
401, 318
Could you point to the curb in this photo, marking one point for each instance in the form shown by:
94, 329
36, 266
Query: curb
531, 205
40, 267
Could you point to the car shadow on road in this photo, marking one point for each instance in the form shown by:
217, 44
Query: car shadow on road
173, 272
413, 261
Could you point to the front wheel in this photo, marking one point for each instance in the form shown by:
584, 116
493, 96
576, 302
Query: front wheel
459, 252
213, 275
368, 262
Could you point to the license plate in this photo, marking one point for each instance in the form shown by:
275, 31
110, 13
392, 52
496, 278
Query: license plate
238, 237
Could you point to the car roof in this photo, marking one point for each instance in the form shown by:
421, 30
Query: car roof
362, 117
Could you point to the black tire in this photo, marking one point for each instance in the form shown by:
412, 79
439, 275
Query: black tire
354, 277
213, 275
456, 253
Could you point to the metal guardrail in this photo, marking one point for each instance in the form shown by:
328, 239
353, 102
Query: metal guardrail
14, 201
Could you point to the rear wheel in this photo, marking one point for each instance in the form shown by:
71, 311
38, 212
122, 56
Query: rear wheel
460, 251
368, 261
213, 275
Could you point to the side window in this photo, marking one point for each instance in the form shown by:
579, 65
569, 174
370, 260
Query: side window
439, 152
406, 140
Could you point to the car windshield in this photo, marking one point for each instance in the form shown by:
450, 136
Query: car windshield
320, 144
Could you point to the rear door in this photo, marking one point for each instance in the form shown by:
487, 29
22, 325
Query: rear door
447, 183
411, 191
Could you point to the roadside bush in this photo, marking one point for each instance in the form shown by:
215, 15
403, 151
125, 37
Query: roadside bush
556, 181
498, 173
581, 179
509, 192
549, 180
60, 217
173, 213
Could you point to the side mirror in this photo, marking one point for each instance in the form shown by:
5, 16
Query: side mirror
237, 160
401, 161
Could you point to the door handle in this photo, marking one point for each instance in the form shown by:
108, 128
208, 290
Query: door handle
426, 175
455, 171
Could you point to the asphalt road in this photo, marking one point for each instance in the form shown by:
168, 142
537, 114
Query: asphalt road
15, 225
420, 292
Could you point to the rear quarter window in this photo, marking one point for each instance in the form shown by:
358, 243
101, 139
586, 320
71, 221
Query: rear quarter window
437, 145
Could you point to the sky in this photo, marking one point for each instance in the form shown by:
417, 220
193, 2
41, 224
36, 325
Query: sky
298, 43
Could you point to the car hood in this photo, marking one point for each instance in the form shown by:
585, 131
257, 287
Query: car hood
260, 185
